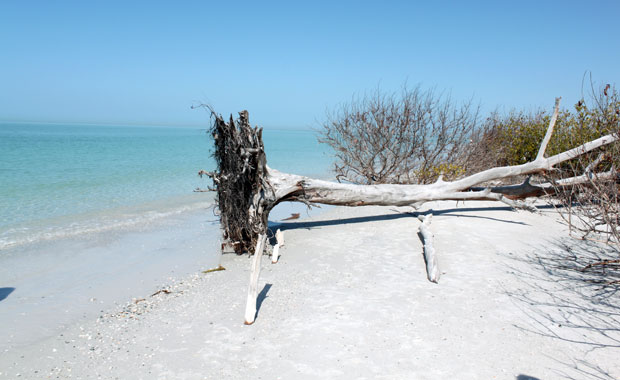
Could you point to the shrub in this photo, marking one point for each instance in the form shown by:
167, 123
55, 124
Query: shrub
514, 139
408, 137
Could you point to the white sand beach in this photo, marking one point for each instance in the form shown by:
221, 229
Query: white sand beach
349, 299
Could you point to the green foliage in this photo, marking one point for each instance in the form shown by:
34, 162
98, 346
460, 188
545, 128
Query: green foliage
448, 170
516, 138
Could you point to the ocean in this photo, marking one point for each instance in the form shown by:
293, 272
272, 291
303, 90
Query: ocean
63, 180
93, 216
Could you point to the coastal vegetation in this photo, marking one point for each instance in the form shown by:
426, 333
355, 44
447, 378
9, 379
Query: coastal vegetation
417, 136
412, 136
400, 151
513, 139
590, 207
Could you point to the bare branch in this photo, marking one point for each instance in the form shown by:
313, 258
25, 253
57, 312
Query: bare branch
410, 137
432, 269
554, 118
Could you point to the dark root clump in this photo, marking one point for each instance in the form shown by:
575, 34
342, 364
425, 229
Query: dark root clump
240, 157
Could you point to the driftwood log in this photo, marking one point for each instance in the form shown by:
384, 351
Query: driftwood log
248, 189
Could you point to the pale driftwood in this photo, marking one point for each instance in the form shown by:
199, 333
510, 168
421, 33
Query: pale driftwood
244, 216
250, 307
589, 170
432, 269
527, 189
545, 142
276, 247
291, 187
275, 253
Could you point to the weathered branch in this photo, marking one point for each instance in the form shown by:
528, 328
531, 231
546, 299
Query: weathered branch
545, 142
527, 189
432, 269
250, 307
276, 247
290, 187
589, 170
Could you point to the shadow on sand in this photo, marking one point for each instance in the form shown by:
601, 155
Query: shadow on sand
568, 300
261, 297
458, 212
4, 292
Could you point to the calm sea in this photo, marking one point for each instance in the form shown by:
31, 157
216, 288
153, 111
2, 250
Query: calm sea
64, 180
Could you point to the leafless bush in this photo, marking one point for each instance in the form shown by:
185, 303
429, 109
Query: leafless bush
408, 137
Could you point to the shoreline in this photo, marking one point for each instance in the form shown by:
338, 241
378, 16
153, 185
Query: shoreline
350, 299
56, 283
75, 226
60, 282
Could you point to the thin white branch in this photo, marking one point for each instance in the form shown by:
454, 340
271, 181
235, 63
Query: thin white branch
514, 203
432, 269
545, 142
592, 165
250, 307
584, 178
276, 247
485, 195
578, 151
275, 253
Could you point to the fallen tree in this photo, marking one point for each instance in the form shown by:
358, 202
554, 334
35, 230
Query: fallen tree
248, 189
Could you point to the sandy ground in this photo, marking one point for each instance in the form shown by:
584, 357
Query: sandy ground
58, 283
349, 299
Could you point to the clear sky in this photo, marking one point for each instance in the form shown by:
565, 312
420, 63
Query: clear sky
131, 62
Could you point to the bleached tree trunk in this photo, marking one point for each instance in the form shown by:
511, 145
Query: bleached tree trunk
247, 189
290, 187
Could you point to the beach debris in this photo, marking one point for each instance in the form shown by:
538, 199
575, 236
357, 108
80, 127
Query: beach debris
229, 246
220, 268
292, 217
432, 269
165, 291
276, 248
250, 307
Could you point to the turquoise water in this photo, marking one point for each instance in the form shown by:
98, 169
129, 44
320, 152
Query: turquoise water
61, 180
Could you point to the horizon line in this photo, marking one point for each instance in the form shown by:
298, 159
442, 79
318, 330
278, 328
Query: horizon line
153, 125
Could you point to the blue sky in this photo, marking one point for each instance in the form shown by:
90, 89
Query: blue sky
287, 62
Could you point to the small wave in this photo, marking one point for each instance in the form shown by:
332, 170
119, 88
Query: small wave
59, 229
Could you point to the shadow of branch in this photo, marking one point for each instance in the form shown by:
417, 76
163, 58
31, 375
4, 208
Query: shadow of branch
568, 299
